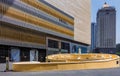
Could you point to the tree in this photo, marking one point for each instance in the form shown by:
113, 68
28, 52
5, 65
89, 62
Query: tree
118, 47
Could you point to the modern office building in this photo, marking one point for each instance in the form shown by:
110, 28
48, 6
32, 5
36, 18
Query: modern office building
32, 29
106, 29
93, 36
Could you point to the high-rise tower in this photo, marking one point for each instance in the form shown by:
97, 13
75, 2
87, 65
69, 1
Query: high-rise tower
106, 29
93, 36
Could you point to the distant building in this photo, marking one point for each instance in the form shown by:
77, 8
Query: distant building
93, 36
106, 29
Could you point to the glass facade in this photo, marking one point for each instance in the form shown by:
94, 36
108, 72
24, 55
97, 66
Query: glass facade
52, 43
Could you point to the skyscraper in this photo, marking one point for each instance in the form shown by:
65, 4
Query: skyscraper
106, 29
93, 36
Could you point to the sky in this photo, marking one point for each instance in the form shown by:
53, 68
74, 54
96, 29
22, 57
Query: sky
97, 4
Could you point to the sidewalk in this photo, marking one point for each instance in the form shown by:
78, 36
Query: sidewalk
96, 72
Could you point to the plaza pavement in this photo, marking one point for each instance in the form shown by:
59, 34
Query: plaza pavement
99, 72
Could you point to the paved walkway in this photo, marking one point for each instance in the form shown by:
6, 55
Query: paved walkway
100, 72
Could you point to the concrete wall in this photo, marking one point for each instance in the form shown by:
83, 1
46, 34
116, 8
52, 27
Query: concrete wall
80, 10
64, 66
96, 61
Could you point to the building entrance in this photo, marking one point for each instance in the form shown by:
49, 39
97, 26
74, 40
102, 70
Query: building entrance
41, 55
25, 54
15, 54
33, 55
4, 52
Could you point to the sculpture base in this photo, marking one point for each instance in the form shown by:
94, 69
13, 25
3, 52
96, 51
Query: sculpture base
50, 66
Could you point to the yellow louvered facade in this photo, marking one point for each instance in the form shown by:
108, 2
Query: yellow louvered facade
49, 10
20, 35
32, 29
14, 13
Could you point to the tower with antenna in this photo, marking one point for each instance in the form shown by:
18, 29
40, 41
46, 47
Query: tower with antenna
106, 29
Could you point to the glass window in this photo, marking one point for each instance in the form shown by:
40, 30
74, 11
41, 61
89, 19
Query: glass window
52, 43
62, 21
65, 46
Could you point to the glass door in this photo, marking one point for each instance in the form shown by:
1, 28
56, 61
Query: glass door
33, 55
15, 54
